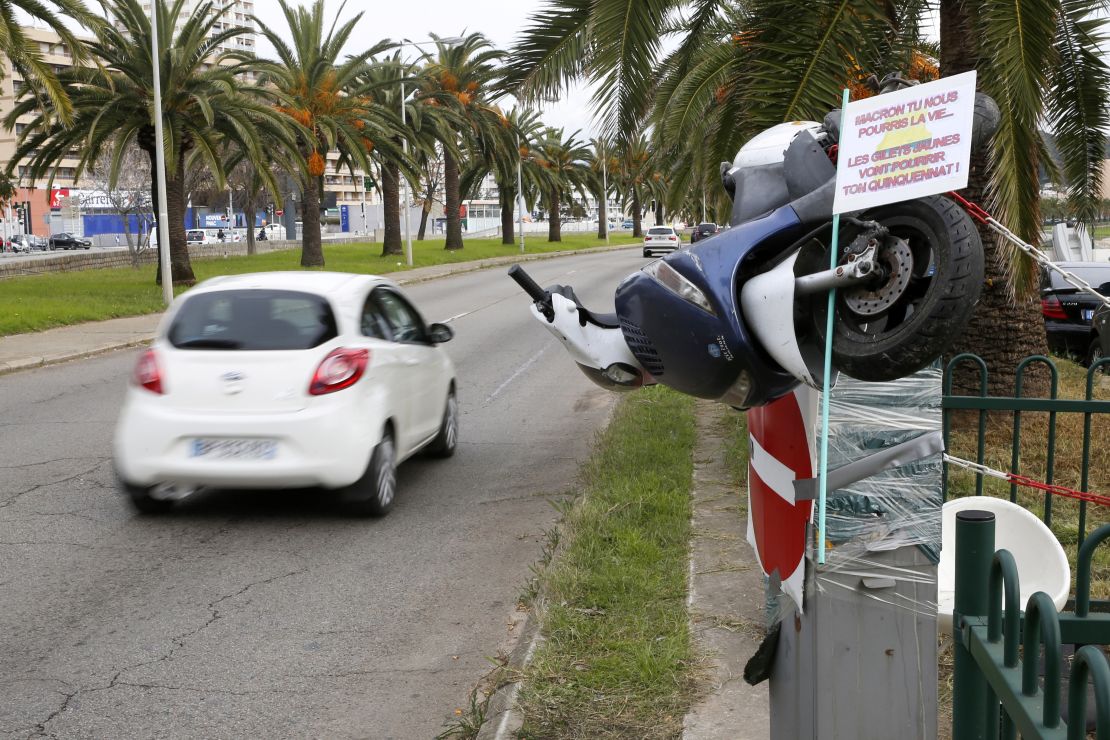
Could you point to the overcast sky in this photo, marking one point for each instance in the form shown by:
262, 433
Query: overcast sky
499, 20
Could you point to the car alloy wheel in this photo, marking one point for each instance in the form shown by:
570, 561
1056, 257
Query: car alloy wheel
445, 442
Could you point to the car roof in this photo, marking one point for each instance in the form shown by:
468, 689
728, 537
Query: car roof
336, 285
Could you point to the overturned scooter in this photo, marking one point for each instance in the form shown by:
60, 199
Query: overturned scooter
740, 317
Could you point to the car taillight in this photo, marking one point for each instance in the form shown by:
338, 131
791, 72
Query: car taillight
1051, 308
147, 373
340, 369
673, 238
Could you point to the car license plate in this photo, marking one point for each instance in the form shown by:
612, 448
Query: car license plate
234, 449
1087, 314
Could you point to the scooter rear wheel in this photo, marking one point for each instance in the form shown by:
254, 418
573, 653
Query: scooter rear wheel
934, 262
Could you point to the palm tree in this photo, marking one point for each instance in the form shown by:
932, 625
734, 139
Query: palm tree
24, 54
425, 126
325, 97
740, 67
637, 178
604, 165
206, 107
565, 160
460, 78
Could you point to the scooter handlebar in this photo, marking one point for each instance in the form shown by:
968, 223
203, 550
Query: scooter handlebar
531, 287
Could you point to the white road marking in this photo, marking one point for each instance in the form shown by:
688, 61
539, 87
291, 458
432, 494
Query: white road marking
520, 371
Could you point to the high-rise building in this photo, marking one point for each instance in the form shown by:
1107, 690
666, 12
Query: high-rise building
233, 14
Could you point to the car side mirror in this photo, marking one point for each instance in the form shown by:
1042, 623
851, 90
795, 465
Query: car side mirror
440, 333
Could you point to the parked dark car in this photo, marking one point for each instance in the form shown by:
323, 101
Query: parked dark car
703, 230
1068, 311
1100, 337
64, 240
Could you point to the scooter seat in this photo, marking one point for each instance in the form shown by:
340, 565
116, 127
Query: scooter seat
604, 320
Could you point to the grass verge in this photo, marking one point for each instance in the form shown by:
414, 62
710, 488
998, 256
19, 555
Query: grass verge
617, 659
40, 302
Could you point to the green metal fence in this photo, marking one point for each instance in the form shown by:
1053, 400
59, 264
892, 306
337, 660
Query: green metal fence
997, 692
1017, 404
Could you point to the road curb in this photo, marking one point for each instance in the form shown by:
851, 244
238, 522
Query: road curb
30, 363
501, 719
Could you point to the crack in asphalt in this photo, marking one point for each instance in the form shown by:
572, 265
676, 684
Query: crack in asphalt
19, 494
178, 643
48, 462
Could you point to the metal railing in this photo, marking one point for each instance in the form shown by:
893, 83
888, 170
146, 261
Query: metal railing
997, 693
1018, 404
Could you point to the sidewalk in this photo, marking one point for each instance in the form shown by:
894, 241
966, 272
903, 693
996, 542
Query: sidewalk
24, 351
726, 598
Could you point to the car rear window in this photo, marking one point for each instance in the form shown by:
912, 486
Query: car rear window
1097, 275
253, 320
659, 231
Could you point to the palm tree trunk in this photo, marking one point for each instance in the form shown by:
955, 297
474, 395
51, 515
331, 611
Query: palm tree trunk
658, 212
249, 218
1003, 330
425, 210
602, 217
637, 216
391, 207
182, 269
454, 201
508, 197
312, 250
554, 223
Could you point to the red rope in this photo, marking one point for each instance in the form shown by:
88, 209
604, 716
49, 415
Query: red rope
973, 210
1093, 498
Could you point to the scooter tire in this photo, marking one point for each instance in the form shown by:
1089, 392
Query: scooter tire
941, 313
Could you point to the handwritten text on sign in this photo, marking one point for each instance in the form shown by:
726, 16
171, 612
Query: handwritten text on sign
905, 144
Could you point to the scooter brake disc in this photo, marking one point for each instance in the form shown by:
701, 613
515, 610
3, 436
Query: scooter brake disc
897, 260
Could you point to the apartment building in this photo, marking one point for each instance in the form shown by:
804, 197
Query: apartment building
233, 14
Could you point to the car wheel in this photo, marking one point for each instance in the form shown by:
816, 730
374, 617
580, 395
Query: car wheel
448, 438
1094, 354
373, 494
647, 253
145, 500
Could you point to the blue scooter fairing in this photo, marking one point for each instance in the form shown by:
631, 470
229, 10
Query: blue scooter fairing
703, 354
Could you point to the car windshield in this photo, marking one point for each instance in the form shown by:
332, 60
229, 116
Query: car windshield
1098, 276
660, 231
253, 320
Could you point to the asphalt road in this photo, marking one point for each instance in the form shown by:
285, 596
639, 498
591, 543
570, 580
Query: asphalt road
273, 614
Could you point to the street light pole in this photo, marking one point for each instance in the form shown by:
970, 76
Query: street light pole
605, 194
520, 202
405, 181
160, 163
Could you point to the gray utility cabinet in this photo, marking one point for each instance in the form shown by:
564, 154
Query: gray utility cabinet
861, 662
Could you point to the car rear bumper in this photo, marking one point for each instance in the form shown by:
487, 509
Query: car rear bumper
661, 247
1068, 338
328, 446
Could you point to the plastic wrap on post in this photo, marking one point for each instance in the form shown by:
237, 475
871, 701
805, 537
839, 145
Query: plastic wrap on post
869, 623
892, 509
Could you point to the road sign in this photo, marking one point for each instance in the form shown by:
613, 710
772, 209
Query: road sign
279, 213
905, 144
781, 451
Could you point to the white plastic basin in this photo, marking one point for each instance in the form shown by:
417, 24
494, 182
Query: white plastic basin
1041, 562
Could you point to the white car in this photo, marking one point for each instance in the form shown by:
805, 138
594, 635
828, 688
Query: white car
661, 239
286, 379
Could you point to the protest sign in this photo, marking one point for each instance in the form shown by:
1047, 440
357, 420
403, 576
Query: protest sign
905, 144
